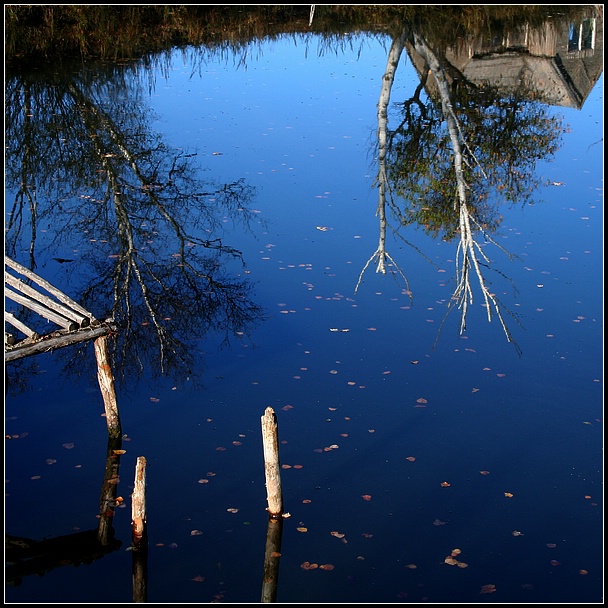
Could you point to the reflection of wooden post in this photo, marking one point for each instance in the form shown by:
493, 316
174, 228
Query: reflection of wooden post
140, 540
106, 384
271, 559
109, 490
138, 503
139, 568
270, 439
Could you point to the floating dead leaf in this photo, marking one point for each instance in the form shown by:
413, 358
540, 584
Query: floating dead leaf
462, 565
421, 400
232, 510
198, 579
411, 566
551, 545
484, 472
410, 458
517, 533
367, 535
445, 484
338, 534
298, 466
237, 443
488, 589
455, 552
68, 446
195, 532
554, 562
326, 567
508, 495
309, 566
307, 501
450, 560
286, 466
366, 497
119, 452
275, 554
438, 522
301, 529
583, 572
414, 362
154, 399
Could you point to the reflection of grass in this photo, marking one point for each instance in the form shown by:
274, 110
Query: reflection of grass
112, 32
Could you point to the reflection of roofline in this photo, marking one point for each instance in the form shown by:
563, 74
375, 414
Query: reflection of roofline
536, 64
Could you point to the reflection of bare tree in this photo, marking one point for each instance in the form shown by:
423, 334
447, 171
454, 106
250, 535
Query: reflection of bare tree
469, 251
381, 254
148, 230
452, 161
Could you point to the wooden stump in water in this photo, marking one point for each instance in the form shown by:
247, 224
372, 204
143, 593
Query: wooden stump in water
270, 439
138, 504
106, 384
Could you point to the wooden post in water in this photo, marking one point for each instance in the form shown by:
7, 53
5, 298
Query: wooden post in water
270, 440
139, 565
106, 384
138, 503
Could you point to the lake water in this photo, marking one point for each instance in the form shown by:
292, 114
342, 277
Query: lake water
399, 448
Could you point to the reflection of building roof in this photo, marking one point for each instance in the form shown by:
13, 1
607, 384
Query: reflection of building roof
558, 64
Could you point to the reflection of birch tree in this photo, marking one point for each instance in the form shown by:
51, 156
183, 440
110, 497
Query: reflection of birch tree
381, 254
470, 254
451, 162
148, 230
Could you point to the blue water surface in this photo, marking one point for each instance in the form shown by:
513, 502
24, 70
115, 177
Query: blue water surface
398, 448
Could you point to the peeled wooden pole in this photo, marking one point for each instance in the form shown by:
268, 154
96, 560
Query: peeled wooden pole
270, 440
139, 565
138, 503
106, 384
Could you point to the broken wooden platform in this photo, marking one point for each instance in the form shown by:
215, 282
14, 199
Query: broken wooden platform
70, 323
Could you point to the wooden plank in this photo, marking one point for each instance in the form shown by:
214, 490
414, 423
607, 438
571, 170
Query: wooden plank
43, 311
22, 327
62, 297
57, 341
30, 292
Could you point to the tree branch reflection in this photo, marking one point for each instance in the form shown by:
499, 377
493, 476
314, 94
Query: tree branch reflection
147, 229
454, 159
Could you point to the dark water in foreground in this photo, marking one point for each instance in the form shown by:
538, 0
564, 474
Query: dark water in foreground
396, 454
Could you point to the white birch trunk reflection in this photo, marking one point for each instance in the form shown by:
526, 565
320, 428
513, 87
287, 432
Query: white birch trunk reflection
381, 254
470, 253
